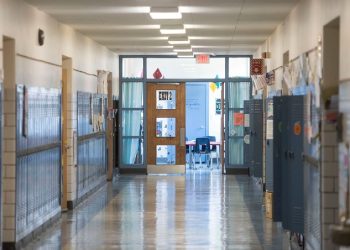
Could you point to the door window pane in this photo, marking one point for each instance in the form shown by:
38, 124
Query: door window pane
236, 151
166, 154
132, 95
132, 151
132, 67
238, 92
185, 68
166, 127
239, 67
132, 122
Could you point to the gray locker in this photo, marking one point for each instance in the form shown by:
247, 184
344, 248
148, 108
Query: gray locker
269, 145
247, 142
296, 170
278, 131
292, 186
256, 136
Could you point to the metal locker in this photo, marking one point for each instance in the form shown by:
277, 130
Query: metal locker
278, 131
38, 156
292, 187
296, 170
269, 144
246, 140
256, 115
91, 141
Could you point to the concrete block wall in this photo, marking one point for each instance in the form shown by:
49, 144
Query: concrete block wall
329, 182
72, 127
9, 165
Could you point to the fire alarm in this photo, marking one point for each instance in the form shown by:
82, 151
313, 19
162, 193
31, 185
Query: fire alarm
41, 37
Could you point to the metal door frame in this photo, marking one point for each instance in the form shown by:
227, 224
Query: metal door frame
142, 168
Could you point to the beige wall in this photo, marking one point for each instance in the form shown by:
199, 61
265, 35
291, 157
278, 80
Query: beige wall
22, 21
301, 30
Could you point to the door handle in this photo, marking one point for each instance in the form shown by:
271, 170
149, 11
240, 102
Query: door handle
182, 137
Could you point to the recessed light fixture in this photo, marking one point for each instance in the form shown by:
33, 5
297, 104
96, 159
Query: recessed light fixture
178, 40
172, 29
165, 13
185, 54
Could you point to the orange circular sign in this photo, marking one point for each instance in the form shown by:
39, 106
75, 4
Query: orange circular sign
297, 128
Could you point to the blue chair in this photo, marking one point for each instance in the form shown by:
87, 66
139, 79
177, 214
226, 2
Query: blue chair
202, 147
213, 150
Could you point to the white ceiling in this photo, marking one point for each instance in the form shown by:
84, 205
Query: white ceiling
213, 26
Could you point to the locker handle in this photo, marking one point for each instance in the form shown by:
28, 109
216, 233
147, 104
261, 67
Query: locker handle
291, 155
286, 154
268, 142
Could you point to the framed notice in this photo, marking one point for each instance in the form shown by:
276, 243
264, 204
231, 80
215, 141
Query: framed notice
166, 99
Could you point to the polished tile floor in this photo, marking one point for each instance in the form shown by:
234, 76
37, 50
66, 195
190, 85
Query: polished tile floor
201, 210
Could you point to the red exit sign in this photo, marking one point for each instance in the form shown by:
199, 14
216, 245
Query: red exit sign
202, 58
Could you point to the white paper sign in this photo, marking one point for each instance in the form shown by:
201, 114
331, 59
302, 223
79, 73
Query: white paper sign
269, 129
246, 120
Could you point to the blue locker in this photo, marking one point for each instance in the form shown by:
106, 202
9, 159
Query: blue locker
289, 123
295, 166
247, 142
256, 136
277, 157
269, 146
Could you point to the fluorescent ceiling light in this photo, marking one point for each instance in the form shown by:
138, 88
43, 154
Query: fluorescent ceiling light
185, 54
183, 48
178, 40
165, 13
172, 29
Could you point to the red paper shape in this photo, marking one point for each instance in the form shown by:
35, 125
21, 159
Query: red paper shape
157, 74
238, 119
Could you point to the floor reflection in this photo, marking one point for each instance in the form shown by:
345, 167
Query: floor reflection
201, 210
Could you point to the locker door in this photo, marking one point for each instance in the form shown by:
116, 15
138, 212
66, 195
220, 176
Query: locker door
269, 145
257, 134
284, 161
252, 139
277, 158
247, 138
296, 170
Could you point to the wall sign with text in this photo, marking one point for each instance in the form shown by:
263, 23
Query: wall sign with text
218, 106
166, 99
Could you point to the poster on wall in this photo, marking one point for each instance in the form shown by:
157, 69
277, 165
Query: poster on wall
256, 66
238, 119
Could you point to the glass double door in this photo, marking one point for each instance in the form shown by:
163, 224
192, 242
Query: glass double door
166, 121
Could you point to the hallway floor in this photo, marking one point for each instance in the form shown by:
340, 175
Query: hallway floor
202, 210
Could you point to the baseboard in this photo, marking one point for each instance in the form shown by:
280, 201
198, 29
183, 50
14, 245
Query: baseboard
74, 203
142, 171
32, 235
237, 171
